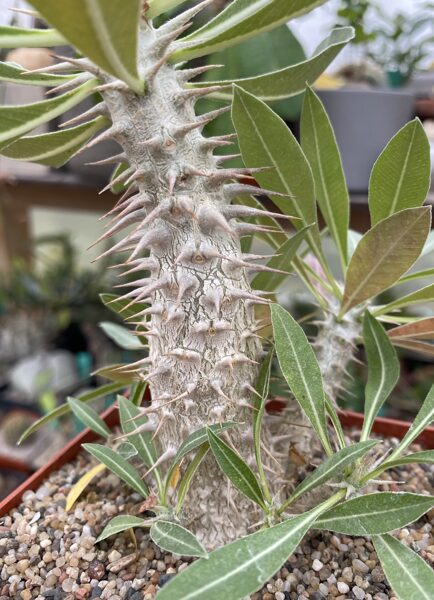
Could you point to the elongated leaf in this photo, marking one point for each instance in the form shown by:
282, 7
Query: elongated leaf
119, 306
383, 370
188, 475
79, 487
157, 7
300, 369
234, 467
17, 120
121, 336
119, 524
319, 144
119, 466
417, 275
282, 261
14, 73
423, 329
423, 457
141, 441
415, 346
401, 175
423, 419
375, 514
385, 253
53, 149
173, 538
89, 417
240, 568
19, 37
425, 294
106, 32
408, 574
265, 140
112, 372
240, 20
259, 401
330, 468
290, 81
64, 409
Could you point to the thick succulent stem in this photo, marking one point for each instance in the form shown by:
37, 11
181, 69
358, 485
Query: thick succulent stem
201, 327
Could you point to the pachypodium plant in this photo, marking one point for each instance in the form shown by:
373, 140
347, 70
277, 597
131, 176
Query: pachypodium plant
184, 225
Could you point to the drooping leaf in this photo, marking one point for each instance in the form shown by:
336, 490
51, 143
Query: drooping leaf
300, 368
290, 81
240, 568
425, 294
234, 467
79, 487
423, 419
423, 329
53, 149
14, 73
400, 177
408, 574
119, 524
64, 409
17, 120
266, 141
240, 20
385, 253
88, 416
119, 306
20, 37
423, 457
319, 144
121, 336
281, 261
105, 32
375, 514
259, 401
383, 370
119, 466
330, 468
141, 441
174, 538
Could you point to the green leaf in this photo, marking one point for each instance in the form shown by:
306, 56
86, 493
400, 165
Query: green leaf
15, 73
64, 409
121, 336
289, 81
281, 261
374, 514
53, 149
157, 7
417, 275
383, 370
119, 466
423, 419
89, 417
188, 475
171, 537
300, 368
240, 20
105, 32
401, 176
422, 329
119, 524
119, 306
330, 468
259, 401
425, 294
19, 37
127, 450
265, 140
410, 577
141, 441
16, 120
319, 144
240, 568
385, 253
234, 467
117, 188
423, 457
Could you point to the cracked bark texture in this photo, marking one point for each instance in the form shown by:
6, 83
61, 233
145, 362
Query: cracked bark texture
184, 246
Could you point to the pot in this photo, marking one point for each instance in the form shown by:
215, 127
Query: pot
382, 426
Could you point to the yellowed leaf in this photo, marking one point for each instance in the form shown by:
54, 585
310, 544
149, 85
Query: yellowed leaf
79, 487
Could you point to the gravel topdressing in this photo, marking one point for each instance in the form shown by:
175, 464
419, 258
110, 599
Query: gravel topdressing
49, 554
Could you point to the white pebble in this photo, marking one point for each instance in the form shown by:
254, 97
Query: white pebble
317, 565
